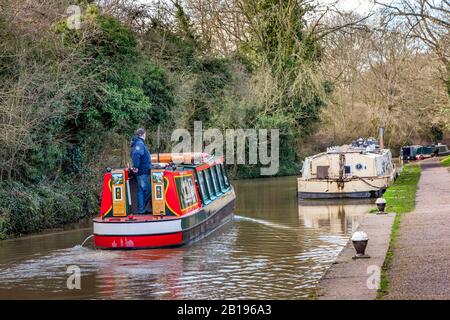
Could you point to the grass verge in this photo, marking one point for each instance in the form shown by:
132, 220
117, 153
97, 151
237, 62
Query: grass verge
446, 161
401, 199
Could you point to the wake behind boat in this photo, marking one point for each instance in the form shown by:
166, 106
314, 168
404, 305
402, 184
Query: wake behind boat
359, 170
189, 200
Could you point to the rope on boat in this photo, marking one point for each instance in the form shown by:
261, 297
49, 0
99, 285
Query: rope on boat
363, 180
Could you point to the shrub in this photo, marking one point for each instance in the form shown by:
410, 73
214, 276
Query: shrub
31, 208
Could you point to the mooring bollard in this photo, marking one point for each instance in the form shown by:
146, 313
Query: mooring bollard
381, 205
360, 240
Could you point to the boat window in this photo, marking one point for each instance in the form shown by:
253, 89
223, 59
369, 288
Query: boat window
222, 179
348, 169
219, 176
209, 183
186, 191
214, 180
203, 188
322, 172
224, 174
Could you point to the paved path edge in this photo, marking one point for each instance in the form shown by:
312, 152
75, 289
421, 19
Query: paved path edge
350, 279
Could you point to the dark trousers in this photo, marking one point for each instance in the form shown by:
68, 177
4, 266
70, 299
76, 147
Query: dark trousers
144, 191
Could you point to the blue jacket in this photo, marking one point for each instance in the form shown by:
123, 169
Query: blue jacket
140, 156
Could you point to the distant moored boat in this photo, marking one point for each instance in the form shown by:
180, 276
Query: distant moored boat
359, 170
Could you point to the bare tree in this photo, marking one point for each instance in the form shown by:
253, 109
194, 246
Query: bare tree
427, 21
381, 79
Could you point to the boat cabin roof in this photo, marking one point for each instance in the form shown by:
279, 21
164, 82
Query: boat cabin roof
183, 162
369, 152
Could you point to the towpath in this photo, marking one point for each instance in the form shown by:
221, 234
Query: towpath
420, 267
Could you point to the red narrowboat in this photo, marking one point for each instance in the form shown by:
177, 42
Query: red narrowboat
191, 197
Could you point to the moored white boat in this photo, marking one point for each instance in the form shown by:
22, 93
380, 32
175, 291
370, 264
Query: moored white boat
360, 170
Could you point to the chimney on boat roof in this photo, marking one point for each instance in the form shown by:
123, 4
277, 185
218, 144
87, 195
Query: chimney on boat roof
381, 137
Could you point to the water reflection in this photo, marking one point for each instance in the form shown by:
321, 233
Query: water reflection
338, 216
143, 274
276, 248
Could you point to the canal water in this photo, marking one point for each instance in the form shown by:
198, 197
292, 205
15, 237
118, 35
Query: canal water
275, 248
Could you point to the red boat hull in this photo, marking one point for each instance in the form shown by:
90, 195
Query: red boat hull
133, 242
145, 232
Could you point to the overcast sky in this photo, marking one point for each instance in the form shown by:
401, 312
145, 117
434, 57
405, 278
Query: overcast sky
360, 6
